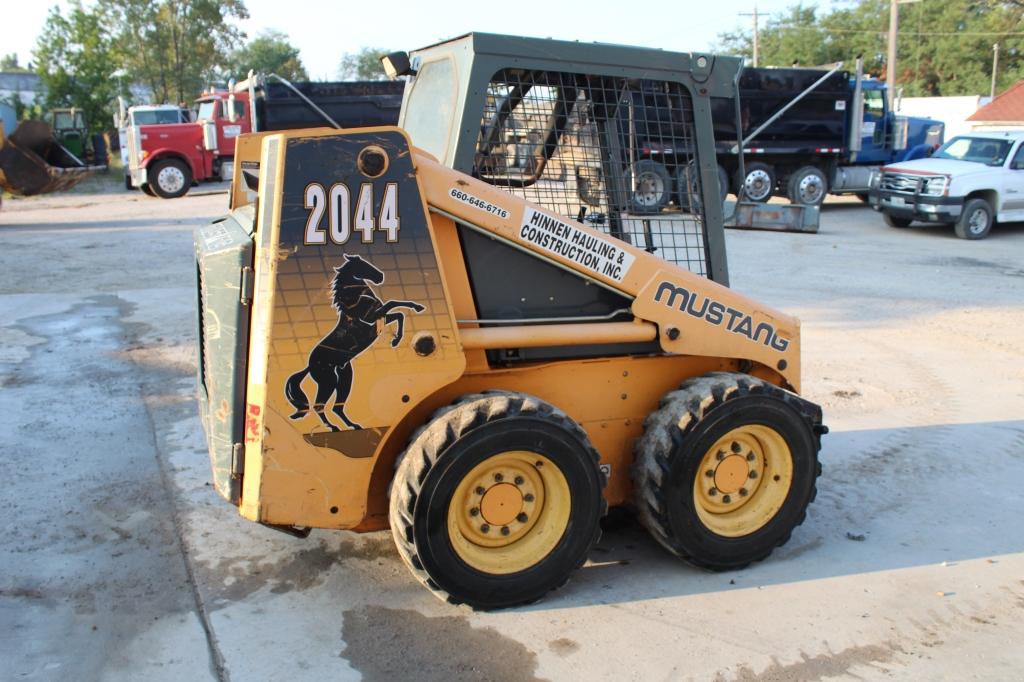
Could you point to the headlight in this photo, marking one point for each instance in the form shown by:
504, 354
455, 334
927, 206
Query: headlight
935, 185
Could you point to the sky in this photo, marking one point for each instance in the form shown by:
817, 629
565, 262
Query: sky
324, 30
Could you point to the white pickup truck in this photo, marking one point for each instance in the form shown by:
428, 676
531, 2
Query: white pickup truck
971, 181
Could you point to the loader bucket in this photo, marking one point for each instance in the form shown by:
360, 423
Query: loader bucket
33, 162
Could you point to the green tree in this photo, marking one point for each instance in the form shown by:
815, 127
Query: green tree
944, 47
363, 65
9, 63
74, 58
175, 47
270, 52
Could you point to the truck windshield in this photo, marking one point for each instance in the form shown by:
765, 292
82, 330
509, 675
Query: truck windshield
978, 149
156, 117
206, 110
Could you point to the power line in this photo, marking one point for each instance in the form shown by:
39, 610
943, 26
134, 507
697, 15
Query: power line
826, 29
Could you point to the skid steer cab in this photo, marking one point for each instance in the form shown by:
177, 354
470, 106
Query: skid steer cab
388, 342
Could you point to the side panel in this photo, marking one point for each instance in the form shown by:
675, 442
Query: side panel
359, 328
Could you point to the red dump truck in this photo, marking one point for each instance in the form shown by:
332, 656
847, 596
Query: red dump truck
166, 160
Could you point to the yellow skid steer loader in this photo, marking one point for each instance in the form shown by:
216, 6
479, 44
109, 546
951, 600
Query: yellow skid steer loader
484, 327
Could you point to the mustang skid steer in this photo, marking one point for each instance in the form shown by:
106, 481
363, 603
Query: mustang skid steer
461, 328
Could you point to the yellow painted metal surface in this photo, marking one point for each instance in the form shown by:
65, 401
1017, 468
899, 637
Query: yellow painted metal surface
743, 480
509, 512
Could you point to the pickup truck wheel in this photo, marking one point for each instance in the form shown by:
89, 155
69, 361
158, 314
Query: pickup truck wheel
807, 186
975, 221
758, 183
893, 221
171, 179
652, 187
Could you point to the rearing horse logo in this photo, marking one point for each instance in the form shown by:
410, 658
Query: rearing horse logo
330, 362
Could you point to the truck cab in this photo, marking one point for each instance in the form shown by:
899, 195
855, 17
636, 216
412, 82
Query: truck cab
164, 160
887, 136
970, 182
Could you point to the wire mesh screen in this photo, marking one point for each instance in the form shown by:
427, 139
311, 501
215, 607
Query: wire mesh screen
617, 154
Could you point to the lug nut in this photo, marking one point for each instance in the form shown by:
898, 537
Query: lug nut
736, 446
518, 480
743, 492
474, 511
713, 492
750, 456
522, 517
719, 455
528, 497
480, 490
505, 530
499, 478
709, 473
753, 474
727, 499
485, 528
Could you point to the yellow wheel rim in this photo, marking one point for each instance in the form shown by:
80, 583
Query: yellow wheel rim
743, 481
509, 512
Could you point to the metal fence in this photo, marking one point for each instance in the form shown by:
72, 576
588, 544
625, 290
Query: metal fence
614, 153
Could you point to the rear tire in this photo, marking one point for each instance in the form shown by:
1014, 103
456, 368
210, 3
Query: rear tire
497, 500
726, 468
893, 221
807, 186
171, 178
687, 187
652, 187
758, 184
975, 222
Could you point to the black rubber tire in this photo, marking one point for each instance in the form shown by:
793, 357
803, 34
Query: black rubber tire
687, 186
444, 451
863, 196
974, 208
893, 221
793, 192
652, 188
676, 436
147, 190
178, 190
765, 188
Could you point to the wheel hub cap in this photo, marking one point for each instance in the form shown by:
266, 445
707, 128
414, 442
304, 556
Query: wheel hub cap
501, 504
731, 474
170, 179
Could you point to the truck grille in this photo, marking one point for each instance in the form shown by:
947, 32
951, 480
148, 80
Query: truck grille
906, 183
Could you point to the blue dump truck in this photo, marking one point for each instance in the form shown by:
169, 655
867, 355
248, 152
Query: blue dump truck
805, 133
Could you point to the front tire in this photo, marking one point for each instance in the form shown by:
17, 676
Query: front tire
975, 222
497, 500
170, 178
726, 468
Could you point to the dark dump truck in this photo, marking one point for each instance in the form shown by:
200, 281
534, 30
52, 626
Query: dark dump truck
805, 133
166, 160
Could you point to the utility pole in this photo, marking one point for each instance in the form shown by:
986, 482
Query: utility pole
995, 69
890, 65
756, 36
890, 62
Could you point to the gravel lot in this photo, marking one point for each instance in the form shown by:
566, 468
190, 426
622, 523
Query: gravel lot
118, 561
